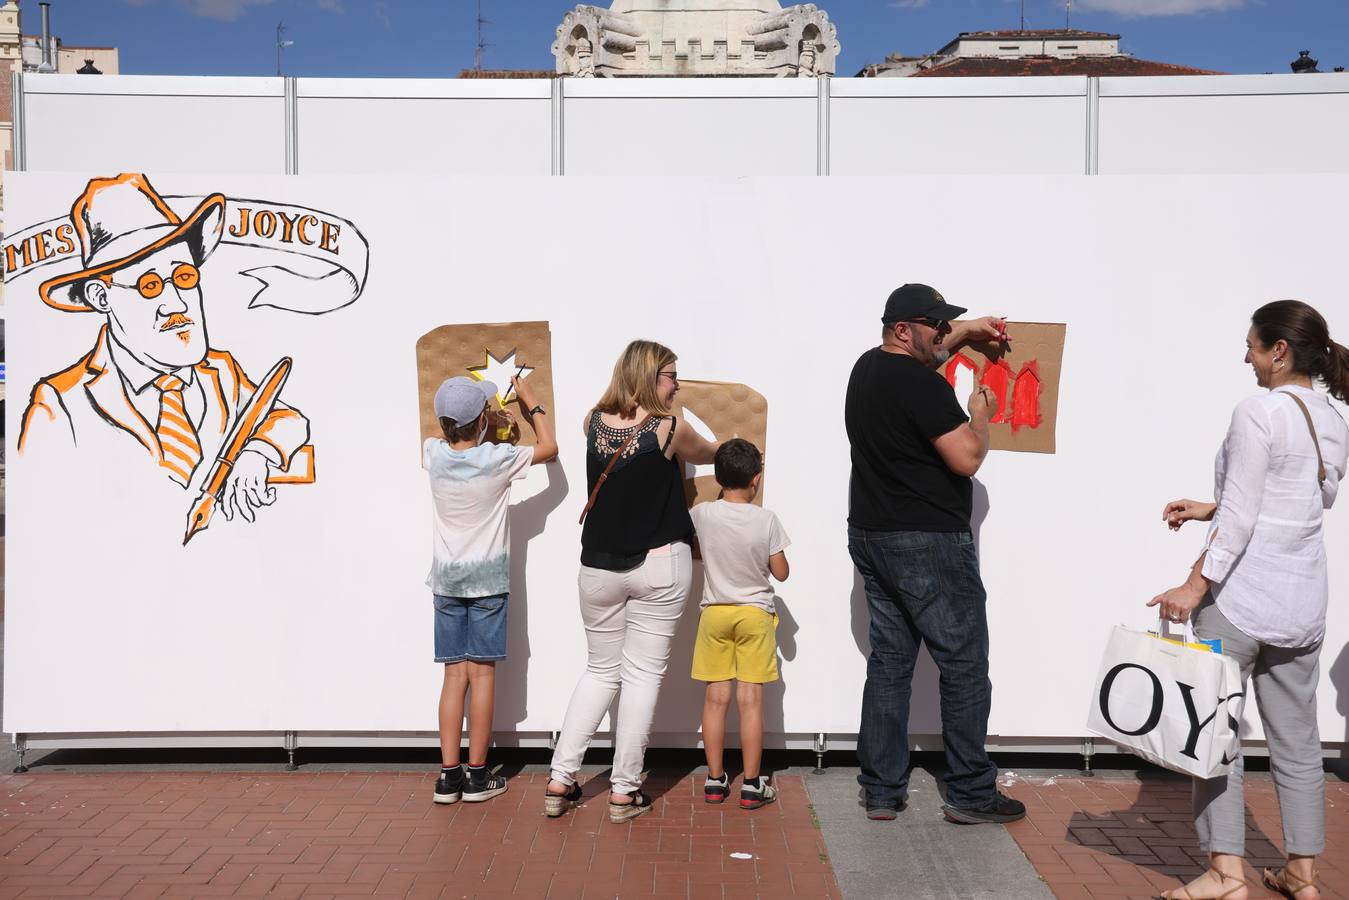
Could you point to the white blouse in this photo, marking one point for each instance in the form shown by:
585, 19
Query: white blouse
1266, 556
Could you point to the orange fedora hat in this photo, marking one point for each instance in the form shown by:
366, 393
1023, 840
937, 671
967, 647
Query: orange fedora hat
123, 219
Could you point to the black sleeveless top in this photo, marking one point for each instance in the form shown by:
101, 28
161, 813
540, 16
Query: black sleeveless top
642, 503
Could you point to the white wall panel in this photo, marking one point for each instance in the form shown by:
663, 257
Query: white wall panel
1233, 124
895, 126
446, 126
690, 127
130, 122
316, 617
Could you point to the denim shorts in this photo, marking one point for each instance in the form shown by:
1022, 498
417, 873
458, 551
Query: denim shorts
470, 628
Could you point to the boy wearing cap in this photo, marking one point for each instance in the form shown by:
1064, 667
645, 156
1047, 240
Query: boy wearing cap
914, 453
470, 571
742, 545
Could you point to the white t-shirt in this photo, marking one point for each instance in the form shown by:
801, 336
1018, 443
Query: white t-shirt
470, 537
736, 540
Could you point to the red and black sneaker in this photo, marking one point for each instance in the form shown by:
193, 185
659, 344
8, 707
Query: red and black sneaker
716, 789
756, 793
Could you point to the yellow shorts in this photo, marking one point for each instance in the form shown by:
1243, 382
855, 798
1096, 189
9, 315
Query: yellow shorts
737, 642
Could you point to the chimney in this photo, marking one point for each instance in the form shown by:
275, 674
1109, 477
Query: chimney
48, 64
1304, 64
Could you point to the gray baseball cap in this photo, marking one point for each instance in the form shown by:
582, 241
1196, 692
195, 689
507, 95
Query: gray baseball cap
462, 398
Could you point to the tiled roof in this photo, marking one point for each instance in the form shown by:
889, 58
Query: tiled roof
508, 73
1102, 66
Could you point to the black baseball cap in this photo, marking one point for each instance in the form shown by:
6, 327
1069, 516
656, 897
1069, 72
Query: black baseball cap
918, 301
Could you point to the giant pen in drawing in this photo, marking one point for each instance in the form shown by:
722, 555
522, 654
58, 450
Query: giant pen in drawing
256, 411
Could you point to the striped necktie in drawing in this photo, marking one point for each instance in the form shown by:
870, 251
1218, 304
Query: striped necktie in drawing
177, 438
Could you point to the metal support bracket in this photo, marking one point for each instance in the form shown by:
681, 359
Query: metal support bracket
292, 744
1088, 751
20, 747
821, 747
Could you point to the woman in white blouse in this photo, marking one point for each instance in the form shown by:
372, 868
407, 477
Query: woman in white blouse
1260, 586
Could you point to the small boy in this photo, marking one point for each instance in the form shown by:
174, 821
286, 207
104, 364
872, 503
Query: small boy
741, 546
470, 571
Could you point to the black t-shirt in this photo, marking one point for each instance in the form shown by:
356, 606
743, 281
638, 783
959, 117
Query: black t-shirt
895, 407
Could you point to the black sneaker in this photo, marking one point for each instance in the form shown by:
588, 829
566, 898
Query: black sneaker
482, 785
716, 789
882, 813
449, 786
999, 810
757, 793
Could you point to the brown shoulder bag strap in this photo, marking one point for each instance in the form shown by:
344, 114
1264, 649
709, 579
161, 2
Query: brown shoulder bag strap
1306, 414
604, 476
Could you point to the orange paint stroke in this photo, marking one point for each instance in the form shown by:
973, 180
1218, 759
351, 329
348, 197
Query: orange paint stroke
998, 378
1026, 397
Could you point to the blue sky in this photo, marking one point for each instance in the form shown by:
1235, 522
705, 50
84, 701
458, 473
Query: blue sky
435, 38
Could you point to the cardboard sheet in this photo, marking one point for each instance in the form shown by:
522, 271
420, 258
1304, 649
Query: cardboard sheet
494, 351
728, 410
1025, 374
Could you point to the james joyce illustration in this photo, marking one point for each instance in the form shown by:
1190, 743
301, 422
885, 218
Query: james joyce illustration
153, 391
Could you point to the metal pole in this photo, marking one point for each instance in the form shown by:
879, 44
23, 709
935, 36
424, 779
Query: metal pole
822, 125
292, 126
557, 98
19, 134
1093, 160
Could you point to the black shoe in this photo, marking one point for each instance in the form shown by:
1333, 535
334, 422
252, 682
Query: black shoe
882, 813
716, 789
999, 810
757, 793
449, 786
482, 785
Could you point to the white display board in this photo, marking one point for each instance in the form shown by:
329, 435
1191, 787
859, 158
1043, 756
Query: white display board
316, 617
1056, 125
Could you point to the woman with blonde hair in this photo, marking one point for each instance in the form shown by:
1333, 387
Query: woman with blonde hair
1261, 587
636, 568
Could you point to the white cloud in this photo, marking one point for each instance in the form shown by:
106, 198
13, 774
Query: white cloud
1160, 7
223, 10
908, 4
332, 6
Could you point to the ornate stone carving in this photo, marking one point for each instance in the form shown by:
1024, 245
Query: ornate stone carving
701, 37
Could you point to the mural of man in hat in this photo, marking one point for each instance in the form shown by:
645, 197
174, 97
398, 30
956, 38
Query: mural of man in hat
152, 387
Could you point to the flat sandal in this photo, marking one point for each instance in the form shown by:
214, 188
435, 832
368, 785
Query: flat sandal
1186, 895
1280, 881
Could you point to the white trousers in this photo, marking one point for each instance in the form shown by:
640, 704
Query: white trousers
630, 621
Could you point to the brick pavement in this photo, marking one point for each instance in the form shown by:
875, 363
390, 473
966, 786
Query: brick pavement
378, 833
1125, 837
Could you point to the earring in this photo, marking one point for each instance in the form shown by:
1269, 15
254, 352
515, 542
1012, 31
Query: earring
1279, 363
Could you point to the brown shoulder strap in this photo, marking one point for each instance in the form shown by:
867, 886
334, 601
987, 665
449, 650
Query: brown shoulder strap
604, 476
1306, 414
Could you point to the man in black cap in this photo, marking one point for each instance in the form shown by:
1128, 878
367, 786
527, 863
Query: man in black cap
913, 454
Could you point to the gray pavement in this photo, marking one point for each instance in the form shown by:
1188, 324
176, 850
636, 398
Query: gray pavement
919, 855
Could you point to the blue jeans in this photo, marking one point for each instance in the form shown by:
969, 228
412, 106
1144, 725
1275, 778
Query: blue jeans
924, 587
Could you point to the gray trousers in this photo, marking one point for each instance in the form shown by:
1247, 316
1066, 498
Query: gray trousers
1285, 682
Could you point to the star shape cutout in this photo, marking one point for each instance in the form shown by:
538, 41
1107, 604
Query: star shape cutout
499, 371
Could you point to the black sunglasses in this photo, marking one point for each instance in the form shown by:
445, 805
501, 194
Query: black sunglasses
942, 326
